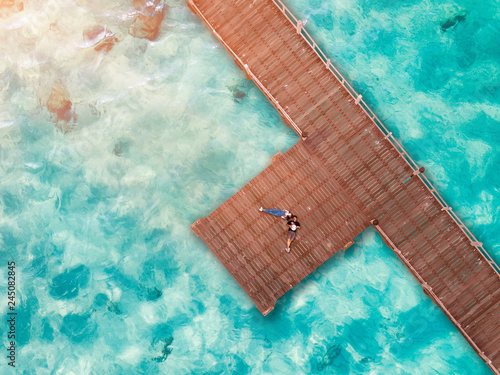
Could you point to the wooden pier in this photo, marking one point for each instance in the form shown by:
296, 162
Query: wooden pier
346, 173
251, 244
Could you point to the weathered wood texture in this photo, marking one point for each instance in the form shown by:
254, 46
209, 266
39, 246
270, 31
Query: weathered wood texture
367, 173
251, 244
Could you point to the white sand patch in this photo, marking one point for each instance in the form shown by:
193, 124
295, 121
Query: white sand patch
477, 153
133, 354
149, 314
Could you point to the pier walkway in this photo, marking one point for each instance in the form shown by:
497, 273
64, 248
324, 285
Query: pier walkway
251, 243
346, 173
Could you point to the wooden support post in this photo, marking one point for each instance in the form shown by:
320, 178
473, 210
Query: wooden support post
247, 69
348, 245
299, 27
268, 310
418, 171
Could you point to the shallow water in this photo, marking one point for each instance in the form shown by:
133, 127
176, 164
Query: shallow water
96, 213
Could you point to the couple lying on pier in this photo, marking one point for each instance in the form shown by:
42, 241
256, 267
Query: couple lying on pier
292, 223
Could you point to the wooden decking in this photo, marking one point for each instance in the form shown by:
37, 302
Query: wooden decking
346, 152
251, 244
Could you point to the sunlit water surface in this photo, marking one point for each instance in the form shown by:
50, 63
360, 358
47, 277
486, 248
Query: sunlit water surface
96, 212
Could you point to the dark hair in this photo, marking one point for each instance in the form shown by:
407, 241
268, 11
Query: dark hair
295, 217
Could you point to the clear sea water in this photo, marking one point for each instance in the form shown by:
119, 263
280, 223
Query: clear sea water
111, 280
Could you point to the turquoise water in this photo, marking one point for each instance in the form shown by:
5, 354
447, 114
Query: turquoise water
96, 212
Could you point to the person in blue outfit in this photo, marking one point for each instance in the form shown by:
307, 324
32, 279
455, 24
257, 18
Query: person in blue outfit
284, 214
